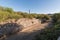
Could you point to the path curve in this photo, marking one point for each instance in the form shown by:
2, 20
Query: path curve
27, 33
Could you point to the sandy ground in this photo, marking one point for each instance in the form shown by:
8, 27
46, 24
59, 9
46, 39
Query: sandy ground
28, 33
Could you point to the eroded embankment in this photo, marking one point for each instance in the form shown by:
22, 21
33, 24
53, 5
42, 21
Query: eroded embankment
30, 26
12, 26
28, 33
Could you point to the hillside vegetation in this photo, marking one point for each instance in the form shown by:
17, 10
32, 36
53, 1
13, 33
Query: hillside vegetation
9, 13
53, 32
50, 33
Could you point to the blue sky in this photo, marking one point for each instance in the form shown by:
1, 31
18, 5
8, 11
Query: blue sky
36, 6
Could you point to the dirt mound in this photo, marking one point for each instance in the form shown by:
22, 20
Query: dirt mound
13, 26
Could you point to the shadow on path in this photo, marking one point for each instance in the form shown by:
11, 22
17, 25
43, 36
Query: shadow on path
28, 35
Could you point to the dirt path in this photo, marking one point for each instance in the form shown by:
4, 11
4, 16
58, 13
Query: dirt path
28, 33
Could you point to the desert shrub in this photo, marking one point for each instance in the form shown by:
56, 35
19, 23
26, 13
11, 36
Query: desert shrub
51, 33
56, 17
47, 17
48, 34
